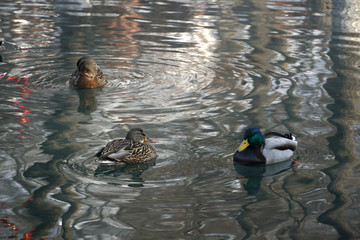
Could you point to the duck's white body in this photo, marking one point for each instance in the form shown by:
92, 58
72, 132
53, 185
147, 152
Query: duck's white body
277, 149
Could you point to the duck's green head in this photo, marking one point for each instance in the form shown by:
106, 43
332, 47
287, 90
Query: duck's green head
252, 137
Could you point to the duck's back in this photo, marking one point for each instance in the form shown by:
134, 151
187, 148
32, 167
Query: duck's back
140, 152
112, 147
278, 147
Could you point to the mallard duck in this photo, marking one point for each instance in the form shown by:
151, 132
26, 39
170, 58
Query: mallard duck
271, 147
87, 74
135, 148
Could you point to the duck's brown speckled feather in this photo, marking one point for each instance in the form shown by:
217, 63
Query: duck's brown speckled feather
134, 152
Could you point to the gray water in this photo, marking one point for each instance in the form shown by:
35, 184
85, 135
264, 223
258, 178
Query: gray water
193, 75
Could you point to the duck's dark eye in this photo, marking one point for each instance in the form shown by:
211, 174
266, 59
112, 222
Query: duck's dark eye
289, 136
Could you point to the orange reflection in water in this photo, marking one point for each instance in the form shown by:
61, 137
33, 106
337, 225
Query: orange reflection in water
12, 228
25, 93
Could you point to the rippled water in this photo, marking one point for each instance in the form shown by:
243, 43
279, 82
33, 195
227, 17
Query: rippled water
193, 75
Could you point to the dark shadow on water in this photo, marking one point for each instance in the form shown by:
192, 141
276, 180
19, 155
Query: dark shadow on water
342, 88
87, 100
61, 125
135, 170
251, 176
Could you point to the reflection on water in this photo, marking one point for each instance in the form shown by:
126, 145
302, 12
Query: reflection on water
87, 100
251, 176
193, 75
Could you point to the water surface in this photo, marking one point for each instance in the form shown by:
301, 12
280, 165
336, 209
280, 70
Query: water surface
193, 75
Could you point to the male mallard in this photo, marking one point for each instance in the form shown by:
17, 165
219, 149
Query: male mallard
87, 75
135, 148
269, 148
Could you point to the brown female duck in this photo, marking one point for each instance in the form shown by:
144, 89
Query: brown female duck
135, 148
87, 74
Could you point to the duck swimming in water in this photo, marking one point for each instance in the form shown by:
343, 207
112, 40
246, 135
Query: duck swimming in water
271, 147
135, 148
87, 74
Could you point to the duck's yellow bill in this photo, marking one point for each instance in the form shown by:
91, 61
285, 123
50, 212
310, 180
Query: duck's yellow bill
244, 145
